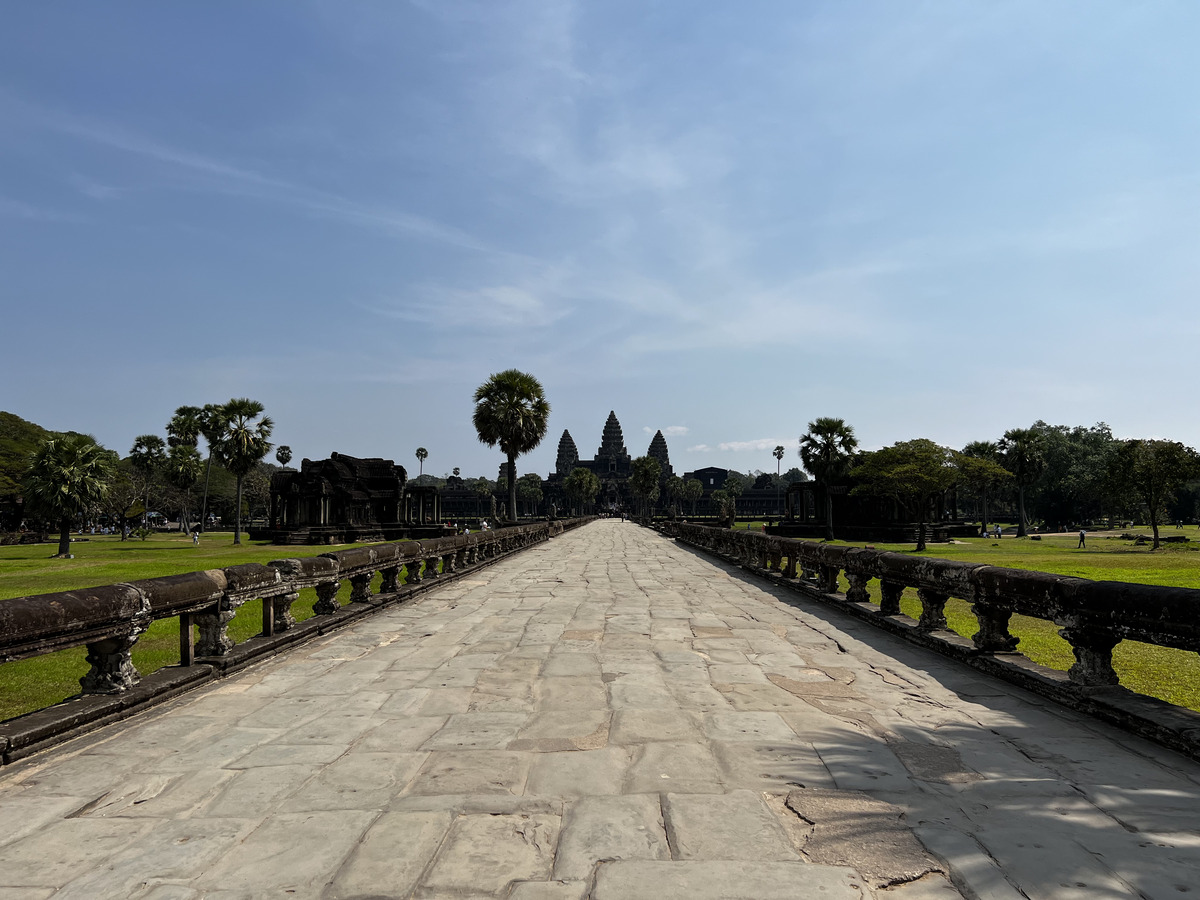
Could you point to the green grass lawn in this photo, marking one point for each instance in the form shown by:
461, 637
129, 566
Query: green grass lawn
35, 683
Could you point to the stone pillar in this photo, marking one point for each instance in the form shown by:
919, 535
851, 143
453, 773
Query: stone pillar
112, 670
431, 567
857, 592
790, 570
327, 602
828, 582
283, 611
993, 636
933, 610
889, 597
448, 562
390, 582
212, 624
412, 571
360, 587
1093, 649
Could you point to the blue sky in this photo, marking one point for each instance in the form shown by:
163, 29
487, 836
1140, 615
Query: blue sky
934, 219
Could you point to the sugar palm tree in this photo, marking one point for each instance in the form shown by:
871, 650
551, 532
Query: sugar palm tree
147, 455
422, 455
826, 449
212, 425
182, 468
778, 454
243, 444
284, 454
66, 477
1024, 456
511, 410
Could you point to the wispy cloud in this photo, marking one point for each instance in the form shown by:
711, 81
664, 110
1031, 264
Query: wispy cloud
756, 444
669, 431
17, 209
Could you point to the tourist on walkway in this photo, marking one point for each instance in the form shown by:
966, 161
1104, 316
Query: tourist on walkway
1082, 538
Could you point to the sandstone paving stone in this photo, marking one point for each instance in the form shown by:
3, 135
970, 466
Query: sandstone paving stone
579, 773
235, 743
577, 729
638, 726
446, 701
608, 828
485, 854
25, 893
572, 664
289, 855
549, 890
724, 880
22, 815
66, 849
735, 825
1047, 863
404, 733
638, 691
697, 696
392, 855
571, 693
357, 780
747, 726
476, 731
276, 753
473, 771
173, 850
676, 767
770, 767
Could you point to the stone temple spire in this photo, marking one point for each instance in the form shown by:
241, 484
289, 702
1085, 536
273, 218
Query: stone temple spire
658, 450
568, 454
612, 443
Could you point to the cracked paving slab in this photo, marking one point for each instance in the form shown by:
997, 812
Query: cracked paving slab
607, 715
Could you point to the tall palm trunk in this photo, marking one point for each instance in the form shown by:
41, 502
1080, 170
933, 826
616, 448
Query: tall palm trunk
1021, 511
64, 537
828, 513
512, 488
237, 530
204, 503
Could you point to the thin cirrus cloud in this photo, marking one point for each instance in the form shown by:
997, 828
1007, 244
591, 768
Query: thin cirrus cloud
669, 431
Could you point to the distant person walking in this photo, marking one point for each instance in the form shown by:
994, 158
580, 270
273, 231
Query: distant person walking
998, 531
1082, 538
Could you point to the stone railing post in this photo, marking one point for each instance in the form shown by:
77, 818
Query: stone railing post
431, 566
889, 597
360, 587
112, 670
790, 570
1093, 649
327, 601
857, 591
282, 618
390, 581
933, 609
212, 624
828, 580
993, 635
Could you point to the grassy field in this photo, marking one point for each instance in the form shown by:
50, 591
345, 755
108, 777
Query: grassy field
31, 684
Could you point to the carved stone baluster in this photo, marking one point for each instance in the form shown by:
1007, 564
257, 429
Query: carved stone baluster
360, 587
993, 635
807, 572
327, 601
431, 566
1093, 649
828, 582
212, 625
112, 670
889, 597
283, 611
391, 580
857, 592
933, 610
448, 561
790, 571
412, 569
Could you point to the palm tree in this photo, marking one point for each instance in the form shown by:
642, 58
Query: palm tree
182, 469
212, 425
826, 449
693, 489
511, 410
982, 470
1024, 456
185, 426
66, 477
422, 455
243, 444
147, 455
284, 455
778, 454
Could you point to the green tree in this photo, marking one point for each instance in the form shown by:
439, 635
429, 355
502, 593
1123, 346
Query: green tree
1153, 471
422, 455
529, 488
213, 421
66, 478
511, 411
283, 454
1023, 452
915, 473
582, 486
242, 445
826, 450
643, 482
148, 454
979, 466
674, 489
778, 453
726, 504
483, 490
183, 468
734, 486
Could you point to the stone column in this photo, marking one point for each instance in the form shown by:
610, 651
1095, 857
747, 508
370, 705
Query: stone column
391, 580
993, 636
431, 567
889, 597
212, 624
360, 587
828, 582
327, 602
1093, 649
857, 592
284, 619
112, 670
933, 610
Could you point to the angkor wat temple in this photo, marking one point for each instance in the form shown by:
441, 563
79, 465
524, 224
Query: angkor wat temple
611, 464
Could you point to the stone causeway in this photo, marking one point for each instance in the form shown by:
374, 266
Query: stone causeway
605, 715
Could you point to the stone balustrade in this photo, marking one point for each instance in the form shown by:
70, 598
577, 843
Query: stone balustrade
1093, 616
109, 619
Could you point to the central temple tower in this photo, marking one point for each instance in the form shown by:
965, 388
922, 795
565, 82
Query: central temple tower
612, 457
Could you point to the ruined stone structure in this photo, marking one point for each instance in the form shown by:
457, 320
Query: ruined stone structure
344, 498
